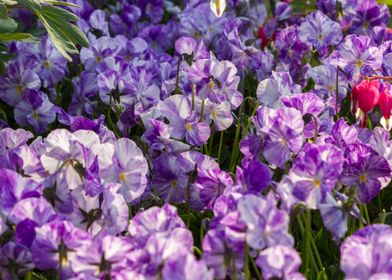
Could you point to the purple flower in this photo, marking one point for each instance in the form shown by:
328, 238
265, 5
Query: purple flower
20, 76
129, 168
14, 187
253, 177
102, 256
191, 48
217, 80
219, 256
15, 260
367, 253
266, 224
211, 183
343, 134
155, 219
283, 131
184, 122
270, 91
170, 180
281, 262
320, 31
364, 168
185, 266
53, 64
56, 244
334, 215
28, 214
316, 171
358, 55
36, 110
369, 14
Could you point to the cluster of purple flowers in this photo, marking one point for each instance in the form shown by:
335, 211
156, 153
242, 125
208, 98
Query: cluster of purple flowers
106, 161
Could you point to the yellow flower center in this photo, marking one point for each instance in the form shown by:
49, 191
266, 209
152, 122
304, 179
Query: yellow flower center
35, 115
214, 114
211, 84
188, 127
359, 63
46, 64
331, 88
320, 37
19, 88
122, 176
316, 183
362, 178
174, 184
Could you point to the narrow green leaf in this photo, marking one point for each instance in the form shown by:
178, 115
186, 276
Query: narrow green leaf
58, 13
67, 30
60, 3
63, 46
17, 37
3, 12
8, 25
33, 5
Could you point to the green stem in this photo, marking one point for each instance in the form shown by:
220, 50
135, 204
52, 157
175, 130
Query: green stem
383, 216
220, 145
337, 94
202, 110
365, 210
308, 248
193, 96
360, 216
235, 150
177, 90
28, 276
210, 142
247, 270
256, 269
197, 250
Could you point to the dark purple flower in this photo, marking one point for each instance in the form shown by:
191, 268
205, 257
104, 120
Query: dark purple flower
15, 260
253, 177
211, 183
20, 76
36, 110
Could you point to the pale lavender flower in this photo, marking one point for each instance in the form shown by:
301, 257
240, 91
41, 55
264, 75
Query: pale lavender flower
280, 261
267, 225
319, 30
367, 253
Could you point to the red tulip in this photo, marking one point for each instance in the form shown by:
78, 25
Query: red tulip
365, 95
385, 103
263, 37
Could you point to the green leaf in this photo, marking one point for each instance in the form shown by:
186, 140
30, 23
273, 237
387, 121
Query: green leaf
3, 12
67, 30
18, 37
388, 2
60, 3
58, 13
8, 25
33, 5
63, 45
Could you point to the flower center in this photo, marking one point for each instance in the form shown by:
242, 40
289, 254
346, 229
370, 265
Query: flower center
214, 114
122, 176
331, 88
316, 183
35, 115
320, 37
211, 84
188, 127
46, 64
174, 184
362, 178
359, 63
19, 88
